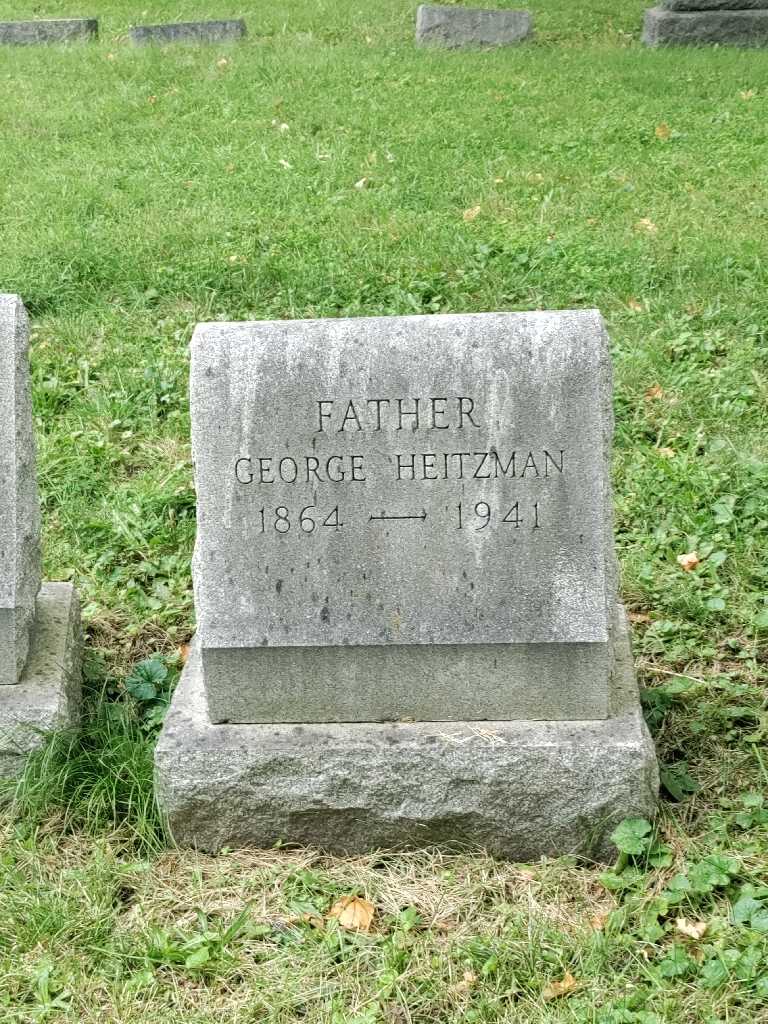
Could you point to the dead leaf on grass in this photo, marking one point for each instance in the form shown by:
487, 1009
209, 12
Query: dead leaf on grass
470, 214
662, 131
556, 989
655, 391
688, 561
691, 929
353, 913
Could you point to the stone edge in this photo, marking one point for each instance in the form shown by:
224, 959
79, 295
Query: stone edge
48, 696
520, 789
434, 26
48, 30
147, 35
748, 28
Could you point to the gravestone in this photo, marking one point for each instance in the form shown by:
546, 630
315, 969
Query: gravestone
703, 22
405, 583
189, 32
39, 625
52, 30
454, 27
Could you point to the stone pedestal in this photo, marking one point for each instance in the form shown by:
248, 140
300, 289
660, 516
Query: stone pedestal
707, 22
39, 626
521, 789
47, 696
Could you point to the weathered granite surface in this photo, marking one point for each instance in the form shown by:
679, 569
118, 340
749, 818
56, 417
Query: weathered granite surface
691, 28
52, 30
404, 517
519, 789
189, 32
20, 569
47, 697
713, 5
454, 27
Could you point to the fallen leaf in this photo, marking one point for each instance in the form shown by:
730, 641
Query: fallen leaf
748, 94
471, 213
467, 982
110, 56
691, 929
229, 168
353, 913
361, 184
526, 875
662, 131
285, 164
151, 99
667, 453
635, 306
599, 920
689, 561
184, 653
654, 391
222, 62
646, 224
556, 989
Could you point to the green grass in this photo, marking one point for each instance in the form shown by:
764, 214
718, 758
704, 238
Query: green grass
146, 190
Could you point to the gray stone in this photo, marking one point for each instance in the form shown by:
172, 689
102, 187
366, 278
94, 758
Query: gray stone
692, 28
47, 698
520, 789
20, 571
410, 607
189, 32
454, 27
713, 5
53, 30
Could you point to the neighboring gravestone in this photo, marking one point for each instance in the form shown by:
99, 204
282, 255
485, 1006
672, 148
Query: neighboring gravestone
58, 30
703, 22
189, 32
39, 627
454, 27
405, 584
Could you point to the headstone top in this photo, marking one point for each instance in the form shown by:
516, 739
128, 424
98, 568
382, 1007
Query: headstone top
48, 30
189, 32
403, 480
19, 507
452, 27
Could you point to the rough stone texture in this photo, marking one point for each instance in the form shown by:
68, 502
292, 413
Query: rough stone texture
300, 621
519, 789
692, 28
19, 505
189, 32
713, 5
56, 30
47, 698
454, 27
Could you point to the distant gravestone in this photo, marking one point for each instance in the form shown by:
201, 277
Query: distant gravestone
189, 32
454, 27
39, 626
404, 534
707, 22
52, 30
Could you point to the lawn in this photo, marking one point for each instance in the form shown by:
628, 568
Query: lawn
326, 167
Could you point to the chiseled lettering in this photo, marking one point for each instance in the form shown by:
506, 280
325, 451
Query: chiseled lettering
264, 465
428, 462
466, 407
549, 458
377, 403
322, 414
244, 479
435, 412
402, 413
477, 475
402, 466
530, 463
500, 466
356, 462
342, 475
